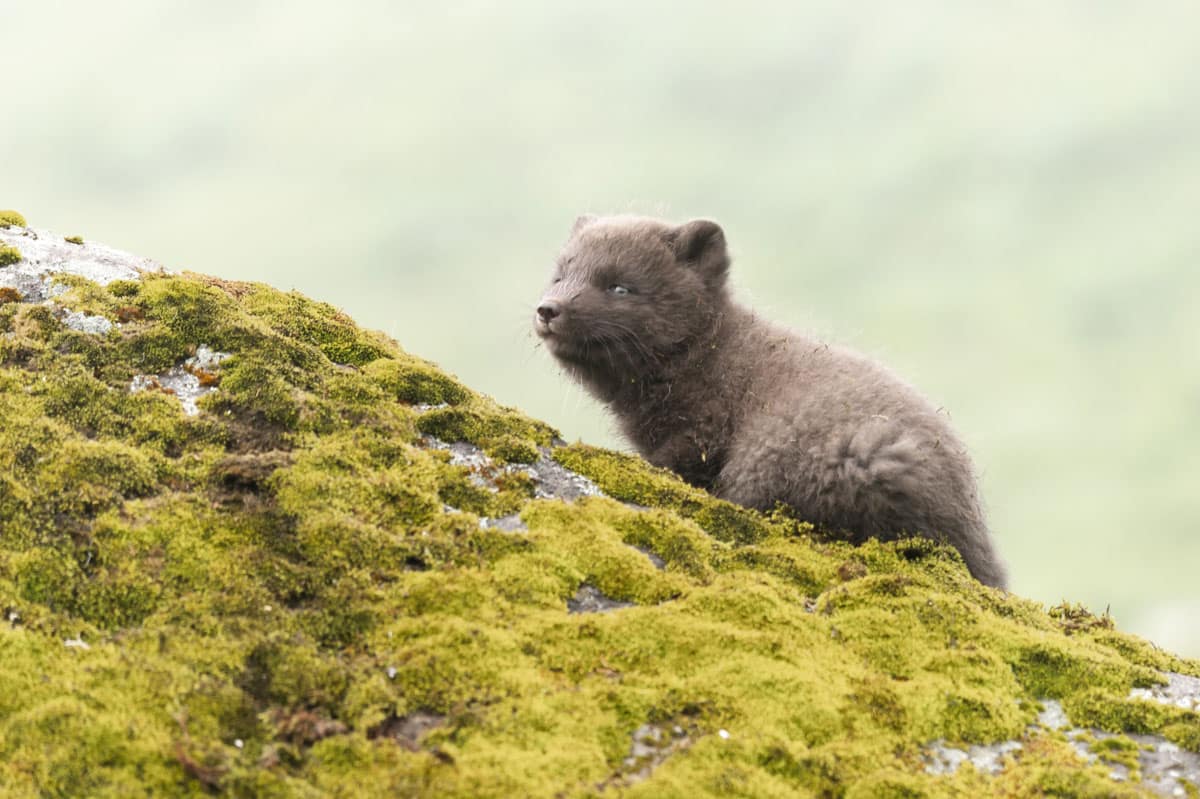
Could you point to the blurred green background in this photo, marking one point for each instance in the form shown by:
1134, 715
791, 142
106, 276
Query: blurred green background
997, 199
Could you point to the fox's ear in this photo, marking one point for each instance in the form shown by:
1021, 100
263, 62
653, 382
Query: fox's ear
581, 222
700, 245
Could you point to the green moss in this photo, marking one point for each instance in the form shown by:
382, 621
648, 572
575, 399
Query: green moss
599, 554
487, 425
318, 324
10, 218
254, 389
1118, 750
633, 480
73, 239
47, 576
86, 476
297, 569
511, 449
681, 544
9, 255
124, 288
415, 382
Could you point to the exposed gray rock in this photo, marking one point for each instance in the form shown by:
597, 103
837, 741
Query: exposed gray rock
1181, 691
1164, 768
652, 744
45, 253
462, 453
508, 524
206, 358
86, 323
184, 381
408, 730
658, 562
1053, 717
1167, 769
649, 748
482, 470
588, 599
942, 759
551, 479
555, 480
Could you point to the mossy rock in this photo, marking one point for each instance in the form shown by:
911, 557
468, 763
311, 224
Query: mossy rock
347, 574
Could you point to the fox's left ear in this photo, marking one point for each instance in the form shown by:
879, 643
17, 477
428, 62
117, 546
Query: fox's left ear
581, 222
700, 245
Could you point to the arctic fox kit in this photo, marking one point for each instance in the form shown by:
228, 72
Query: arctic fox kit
637, 311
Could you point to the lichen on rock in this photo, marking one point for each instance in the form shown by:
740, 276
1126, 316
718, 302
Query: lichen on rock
348, 574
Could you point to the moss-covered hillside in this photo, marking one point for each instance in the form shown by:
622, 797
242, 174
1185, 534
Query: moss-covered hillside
249, 549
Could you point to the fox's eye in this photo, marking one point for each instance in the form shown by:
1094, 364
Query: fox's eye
620, 291
557, 280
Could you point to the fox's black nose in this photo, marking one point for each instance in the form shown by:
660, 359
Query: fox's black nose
548, 310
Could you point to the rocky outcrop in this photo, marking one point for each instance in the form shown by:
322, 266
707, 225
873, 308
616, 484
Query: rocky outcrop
247, 548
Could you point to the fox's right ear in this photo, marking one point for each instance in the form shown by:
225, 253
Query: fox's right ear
581, 222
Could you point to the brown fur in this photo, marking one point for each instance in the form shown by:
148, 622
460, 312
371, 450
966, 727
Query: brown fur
754, 412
